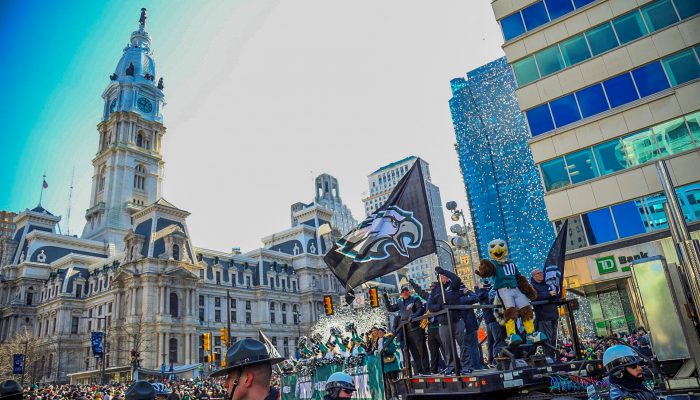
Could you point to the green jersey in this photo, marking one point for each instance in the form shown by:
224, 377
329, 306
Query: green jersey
505, 275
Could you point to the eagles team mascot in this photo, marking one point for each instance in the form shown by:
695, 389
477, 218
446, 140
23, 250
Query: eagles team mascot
512, 289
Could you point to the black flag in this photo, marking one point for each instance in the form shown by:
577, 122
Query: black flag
554, 265
399, 232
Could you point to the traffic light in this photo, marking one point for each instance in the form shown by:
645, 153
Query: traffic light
328, 305
215, 356
373, 297
223, 361
207, 341
224, 336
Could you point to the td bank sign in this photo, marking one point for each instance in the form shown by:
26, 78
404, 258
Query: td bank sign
620, 261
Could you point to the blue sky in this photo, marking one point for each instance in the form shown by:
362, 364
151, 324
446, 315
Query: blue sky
262, 95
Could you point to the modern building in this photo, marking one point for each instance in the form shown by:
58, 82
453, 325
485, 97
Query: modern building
500, 178
607, 88
7, 223
381, 183
327, 195
135, 274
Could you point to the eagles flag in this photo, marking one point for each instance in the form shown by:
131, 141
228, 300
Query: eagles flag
399, 232
17, 364
554, 265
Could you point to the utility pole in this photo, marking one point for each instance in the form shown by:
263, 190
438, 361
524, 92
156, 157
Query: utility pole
228, 320
24, 362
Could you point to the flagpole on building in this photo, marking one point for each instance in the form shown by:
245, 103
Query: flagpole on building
44, 185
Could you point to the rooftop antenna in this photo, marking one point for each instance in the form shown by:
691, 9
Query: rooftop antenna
70, 198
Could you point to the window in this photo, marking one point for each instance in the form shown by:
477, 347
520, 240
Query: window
592, 100
650, 79
78, 291
659, 14
30, 296
217, 301
526, 71
233, 315
693, 121
74, 321
139, 139
140, 177
639, 147
172, 350
557, 8
554, 174
687, 8
673, 137
601, 39
610, 157
535, 15
565, 110
628, 219
549, 60
581, 166
247, 304
248, 319
620, 90
174, 311
581, 3
629, 27
201, 300
575, 50
176, 252
682, 67
689, 197
539, 119
201, 315
599, 226
217, 315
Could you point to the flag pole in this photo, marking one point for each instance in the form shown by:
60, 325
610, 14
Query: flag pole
43, 186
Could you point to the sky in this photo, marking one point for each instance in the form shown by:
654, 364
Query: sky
262, 96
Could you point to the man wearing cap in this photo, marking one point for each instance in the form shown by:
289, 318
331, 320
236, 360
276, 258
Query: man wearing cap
140, 390
248, 371
410, 307
546, 315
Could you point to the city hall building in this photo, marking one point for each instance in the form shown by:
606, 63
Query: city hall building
135, 273
608, 87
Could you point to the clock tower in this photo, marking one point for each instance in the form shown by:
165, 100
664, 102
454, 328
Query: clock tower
128, 165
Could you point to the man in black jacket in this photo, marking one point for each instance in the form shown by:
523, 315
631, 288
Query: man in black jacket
409, 307
546, 315
495, 332
434, 341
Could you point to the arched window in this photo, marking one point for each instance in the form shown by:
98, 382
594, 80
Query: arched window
176, 252
174, 312
30, 296
139, 139
172, 349
101, 179
140, 177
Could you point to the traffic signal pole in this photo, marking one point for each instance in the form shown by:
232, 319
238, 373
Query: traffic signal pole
228, 320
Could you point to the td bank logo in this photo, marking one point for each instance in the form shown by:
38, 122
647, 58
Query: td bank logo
606, 265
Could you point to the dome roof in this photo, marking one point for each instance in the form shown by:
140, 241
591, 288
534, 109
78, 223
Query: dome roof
142, 61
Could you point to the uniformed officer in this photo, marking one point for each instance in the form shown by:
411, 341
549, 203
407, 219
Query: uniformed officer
339, 386
10, 390
140, 390
248, 371
625, 373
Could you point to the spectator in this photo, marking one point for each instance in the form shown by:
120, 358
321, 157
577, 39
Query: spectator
546, 315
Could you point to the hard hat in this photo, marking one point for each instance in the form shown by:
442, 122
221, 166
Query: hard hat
340, 380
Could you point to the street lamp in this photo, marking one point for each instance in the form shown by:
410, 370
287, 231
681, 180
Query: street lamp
461, 241
104, 346
297, 316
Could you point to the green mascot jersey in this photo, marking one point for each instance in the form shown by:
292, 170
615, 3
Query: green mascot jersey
505, 275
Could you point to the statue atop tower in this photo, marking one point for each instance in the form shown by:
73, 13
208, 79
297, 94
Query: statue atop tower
142, 20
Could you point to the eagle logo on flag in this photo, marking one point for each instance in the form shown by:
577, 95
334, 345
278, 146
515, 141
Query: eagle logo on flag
371, 240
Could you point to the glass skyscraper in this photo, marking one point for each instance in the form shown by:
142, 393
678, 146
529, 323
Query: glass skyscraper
503, 187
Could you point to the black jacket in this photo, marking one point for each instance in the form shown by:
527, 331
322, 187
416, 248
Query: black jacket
454, 295
544, 312
408, 309
484, 299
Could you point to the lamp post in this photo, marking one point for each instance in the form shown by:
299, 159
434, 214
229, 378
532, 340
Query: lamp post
104, 346
297, 316
24, 362
162, 368
462, 232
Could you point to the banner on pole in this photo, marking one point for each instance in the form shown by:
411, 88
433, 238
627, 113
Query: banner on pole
368, 379
97, 341
554, 265
17, 364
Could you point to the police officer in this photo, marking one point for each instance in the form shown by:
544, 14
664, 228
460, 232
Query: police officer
248, 371
10, 390
140, 390
625, 373
339, 386
161, 391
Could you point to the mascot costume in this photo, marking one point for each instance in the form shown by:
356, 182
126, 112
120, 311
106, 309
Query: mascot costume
511, 289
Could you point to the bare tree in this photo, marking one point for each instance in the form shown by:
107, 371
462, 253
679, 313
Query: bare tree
17, 345
130, 340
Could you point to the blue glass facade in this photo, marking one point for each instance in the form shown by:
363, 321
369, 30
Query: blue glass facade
503, 188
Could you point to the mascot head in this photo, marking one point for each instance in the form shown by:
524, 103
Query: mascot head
498, 249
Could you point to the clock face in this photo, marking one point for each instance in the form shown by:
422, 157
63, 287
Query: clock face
113, 106
145, 105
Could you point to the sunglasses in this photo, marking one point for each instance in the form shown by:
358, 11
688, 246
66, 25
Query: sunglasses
347, 391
